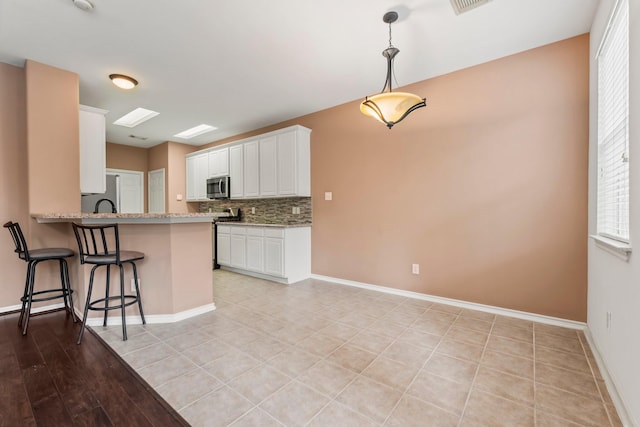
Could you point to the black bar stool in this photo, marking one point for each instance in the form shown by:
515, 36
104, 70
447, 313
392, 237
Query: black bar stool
32, 258
100, 245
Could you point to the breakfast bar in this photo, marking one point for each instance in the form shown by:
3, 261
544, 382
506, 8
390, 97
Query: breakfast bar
175, 276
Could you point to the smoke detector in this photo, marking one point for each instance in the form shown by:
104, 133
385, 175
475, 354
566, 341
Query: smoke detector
461, 6
85, 5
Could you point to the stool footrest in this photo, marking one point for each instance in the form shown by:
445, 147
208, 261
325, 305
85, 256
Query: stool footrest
60, 293
132, 299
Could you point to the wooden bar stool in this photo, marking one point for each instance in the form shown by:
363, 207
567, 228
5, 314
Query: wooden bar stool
100, 245
33, 258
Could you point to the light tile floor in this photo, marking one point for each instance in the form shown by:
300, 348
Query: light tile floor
321, 354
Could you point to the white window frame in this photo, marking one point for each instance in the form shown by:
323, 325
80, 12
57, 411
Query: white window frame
613, 133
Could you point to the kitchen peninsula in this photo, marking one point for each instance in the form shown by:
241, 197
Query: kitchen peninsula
176, 274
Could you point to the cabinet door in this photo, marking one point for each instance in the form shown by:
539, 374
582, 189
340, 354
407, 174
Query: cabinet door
238, 251
223, 241
236, 171
92, 150
255, 253
202, 172
191, 178
274, 256
251, 169
268, 166
218, 163
287, 173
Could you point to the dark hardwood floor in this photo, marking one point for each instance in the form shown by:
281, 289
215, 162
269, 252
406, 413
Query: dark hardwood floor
46, 379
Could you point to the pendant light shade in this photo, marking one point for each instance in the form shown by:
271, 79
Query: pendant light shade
390, 107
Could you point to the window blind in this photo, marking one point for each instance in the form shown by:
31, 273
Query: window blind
613, 127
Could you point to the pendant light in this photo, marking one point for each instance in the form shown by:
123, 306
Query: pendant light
390, 107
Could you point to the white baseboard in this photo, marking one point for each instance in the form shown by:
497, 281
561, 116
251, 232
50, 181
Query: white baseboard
618, 402
116, 319
549, 320
34, 310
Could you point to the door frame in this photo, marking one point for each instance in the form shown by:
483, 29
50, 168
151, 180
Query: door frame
111, 171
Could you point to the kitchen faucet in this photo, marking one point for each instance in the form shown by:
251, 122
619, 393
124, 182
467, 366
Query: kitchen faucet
113, 207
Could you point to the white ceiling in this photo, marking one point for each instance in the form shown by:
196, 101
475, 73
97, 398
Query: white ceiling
241, 65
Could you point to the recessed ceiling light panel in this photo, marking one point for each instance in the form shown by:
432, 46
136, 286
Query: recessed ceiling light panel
135, 117
195, 131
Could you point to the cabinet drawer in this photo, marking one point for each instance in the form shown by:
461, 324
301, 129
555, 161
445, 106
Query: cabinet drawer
255, 231
274, 232
238, 231
224, 229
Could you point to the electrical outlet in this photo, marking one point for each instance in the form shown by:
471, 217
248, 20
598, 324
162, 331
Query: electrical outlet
293, 210
415, 268
253, 211
328, 195
133, 284
298, 210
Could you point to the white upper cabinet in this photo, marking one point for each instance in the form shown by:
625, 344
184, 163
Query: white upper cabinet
236, 171
251, 169
218, 163
93, 150
274, 164
197, 174
268, 167
294, 163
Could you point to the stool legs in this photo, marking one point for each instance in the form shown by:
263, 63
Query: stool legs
106, 295
92, 305
31, 274
87, 304
28, 299
124, 322
66, 284
135, 279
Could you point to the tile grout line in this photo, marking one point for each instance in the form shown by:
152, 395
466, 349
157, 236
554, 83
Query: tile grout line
433, 351
473, 381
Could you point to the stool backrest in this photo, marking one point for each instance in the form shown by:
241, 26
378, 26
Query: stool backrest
97, 240
18, 240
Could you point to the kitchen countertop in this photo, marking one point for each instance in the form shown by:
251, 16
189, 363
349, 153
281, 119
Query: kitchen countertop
252, 224
129, 218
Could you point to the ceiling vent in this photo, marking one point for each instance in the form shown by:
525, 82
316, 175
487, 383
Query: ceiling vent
461, 6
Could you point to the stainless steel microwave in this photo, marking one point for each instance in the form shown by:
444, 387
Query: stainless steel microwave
218, 188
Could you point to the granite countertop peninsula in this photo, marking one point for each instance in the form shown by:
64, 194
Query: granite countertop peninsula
254, 224
129, 218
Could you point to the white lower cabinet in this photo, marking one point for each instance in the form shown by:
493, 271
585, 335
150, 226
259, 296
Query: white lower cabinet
238, 247
279, 253
223, 244
255, 249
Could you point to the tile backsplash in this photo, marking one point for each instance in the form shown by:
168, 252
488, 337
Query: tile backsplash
267, 211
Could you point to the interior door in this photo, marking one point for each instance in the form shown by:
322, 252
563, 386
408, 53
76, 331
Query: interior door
156, 191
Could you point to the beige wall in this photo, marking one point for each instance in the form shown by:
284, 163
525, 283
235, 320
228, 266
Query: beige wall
13, 178
127, 157
177, 178
486, 188
39, 157
53, 154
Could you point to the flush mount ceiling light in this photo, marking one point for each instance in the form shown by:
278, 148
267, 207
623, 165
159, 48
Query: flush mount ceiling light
390, 107
135, 117
123, 82
195, 131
